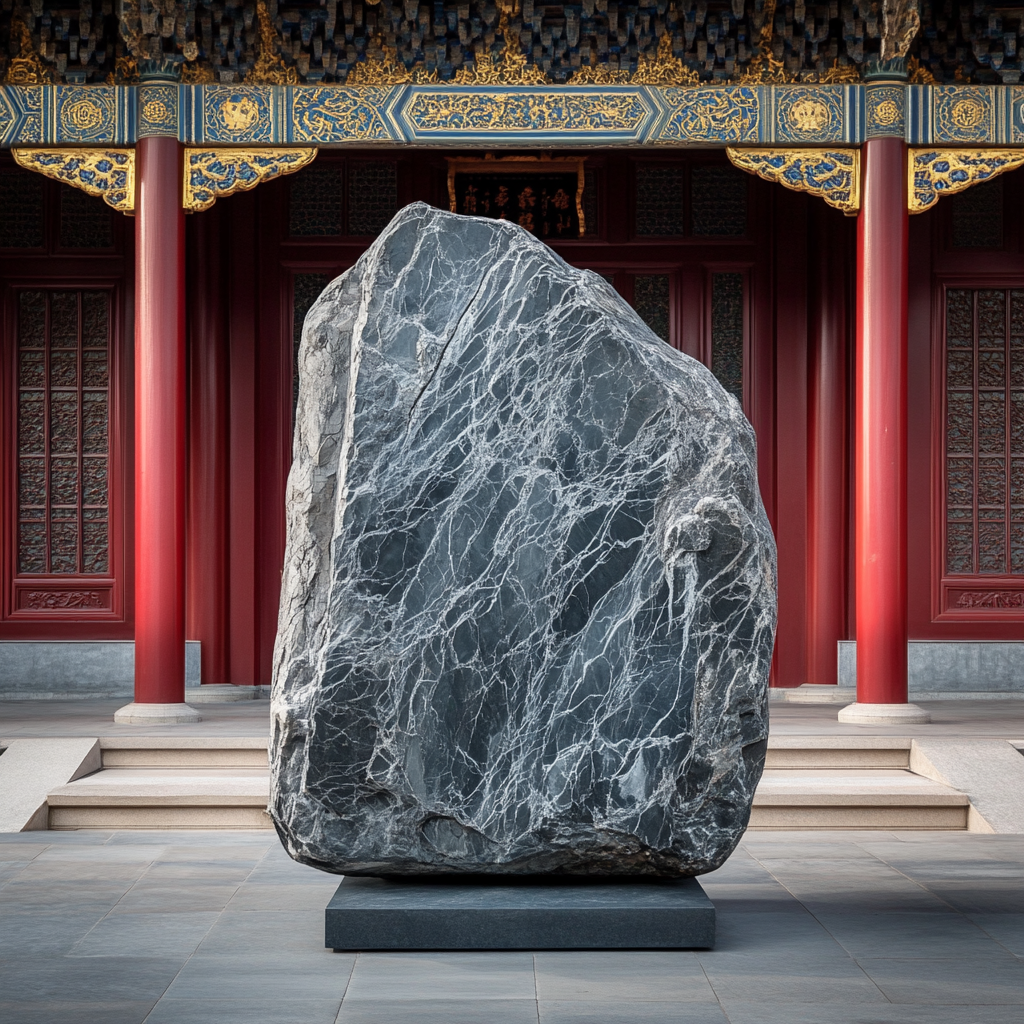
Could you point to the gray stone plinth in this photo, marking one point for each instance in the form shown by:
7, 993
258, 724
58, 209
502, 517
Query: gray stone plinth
541, 913
156, 714
884, 714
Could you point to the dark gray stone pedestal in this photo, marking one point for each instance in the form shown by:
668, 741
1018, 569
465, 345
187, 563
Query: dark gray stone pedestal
542, 913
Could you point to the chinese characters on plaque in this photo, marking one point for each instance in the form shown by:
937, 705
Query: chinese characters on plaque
541, 195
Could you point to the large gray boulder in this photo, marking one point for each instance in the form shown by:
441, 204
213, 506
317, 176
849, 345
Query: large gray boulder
528, 603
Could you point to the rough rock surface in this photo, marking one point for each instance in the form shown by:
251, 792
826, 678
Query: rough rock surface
528, 603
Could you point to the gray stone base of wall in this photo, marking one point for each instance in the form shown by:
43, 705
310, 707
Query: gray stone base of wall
952, 668
69, 669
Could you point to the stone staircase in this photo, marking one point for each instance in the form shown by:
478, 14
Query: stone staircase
222, 782
851, 782
169, 782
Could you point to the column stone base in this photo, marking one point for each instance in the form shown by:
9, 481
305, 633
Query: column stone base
884, 714
156, 714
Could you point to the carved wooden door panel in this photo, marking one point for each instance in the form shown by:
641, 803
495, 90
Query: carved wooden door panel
63, 557
981, 511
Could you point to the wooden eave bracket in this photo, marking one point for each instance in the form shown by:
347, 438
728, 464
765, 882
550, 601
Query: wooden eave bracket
107, 173
933, 173
213, 172
832, 174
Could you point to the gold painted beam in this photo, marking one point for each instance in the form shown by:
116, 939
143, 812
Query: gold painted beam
107, 173
833, 174
933, 173
214, 172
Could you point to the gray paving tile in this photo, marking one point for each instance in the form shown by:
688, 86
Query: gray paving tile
21, 851
35, 896
960, 869
245, 1011
995, 896
442, 976
815, 868
617, 976
439, 1011
296, 874
761, 1012
72, 855
171, 935
1006, 929
782, 933
10, 868
597, 1012
99, 870
170, 899
188, 837
277, 976
870, 899
75, 837
300, 931
283, 897
969, 981
199, 871
768, 897
784, 978
909, 935
228, 850
28, 933
78, 1012
89, 980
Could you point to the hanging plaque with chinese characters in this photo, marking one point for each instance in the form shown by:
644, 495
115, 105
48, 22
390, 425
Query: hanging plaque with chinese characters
544, 196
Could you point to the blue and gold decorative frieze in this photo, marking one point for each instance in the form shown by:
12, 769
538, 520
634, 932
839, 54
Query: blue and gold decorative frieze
832, 174
21, 115
98, 115
211, 174
158, 109
108, 173
962, 115
521, 115
811, 115
934, 173
885, 110
235, 115
731, 115
499, 114
327, 114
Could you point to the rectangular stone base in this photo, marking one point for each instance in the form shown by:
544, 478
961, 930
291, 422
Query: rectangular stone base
422, 914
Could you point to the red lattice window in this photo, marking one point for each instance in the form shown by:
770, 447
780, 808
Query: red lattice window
63, 434
983, 449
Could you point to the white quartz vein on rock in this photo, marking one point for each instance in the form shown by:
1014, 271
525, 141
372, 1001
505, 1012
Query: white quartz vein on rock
528, 603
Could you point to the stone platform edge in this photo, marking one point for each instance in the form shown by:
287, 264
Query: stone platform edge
420, 915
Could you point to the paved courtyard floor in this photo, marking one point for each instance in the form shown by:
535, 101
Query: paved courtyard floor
219, 927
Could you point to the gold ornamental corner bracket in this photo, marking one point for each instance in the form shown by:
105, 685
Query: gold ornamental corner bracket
214, 172
934, 173
832, 174
107, 173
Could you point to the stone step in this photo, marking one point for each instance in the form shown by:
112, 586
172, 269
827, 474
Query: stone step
866, 798
184, 751
838, 752
169, 798
870, 798
251, 752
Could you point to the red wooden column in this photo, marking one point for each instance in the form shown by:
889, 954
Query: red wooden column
880, 445
827, 464
160, 455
